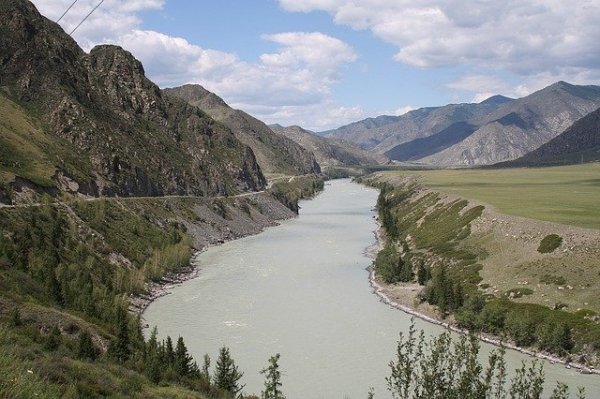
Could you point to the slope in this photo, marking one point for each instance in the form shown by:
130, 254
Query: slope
385, 132
275, 154
330, 151
521, 126
99, 109
579, 143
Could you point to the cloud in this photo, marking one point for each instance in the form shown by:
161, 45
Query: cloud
483, 86
111, 20
291, 85
300, 73
403, 110
525, 37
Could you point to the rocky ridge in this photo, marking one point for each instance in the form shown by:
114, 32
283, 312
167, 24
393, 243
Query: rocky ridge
275, 153
330, 151
124, 136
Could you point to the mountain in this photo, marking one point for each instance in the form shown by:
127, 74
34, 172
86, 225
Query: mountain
520, 126
383, 133
579, 143
275, 154
330, 151
422, 147
94, 124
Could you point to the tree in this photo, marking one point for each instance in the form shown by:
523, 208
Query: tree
443, 368
169, 352
272, 380
119, 347
423, 273
205, 368
227, 375
86, 348
54, 338
15, 317
184, 364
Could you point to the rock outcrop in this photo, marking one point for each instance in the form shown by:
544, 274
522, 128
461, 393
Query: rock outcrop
129, 139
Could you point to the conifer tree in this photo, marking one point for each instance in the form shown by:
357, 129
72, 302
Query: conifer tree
54, 338
227, 375
86, 348
184, 365
120, 347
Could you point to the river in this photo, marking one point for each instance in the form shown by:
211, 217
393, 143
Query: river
301, 289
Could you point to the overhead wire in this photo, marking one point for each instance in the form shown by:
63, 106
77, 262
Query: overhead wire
66, 11
86, 17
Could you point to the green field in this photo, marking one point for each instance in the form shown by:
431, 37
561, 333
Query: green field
563, 194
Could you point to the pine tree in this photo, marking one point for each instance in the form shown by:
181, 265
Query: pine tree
86, 348
54, 338
272, 380
120, 348
183, 361
422, 274
169, 352
227, 375
153, 357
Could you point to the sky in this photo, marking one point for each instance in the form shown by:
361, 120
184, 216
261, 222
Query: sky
322, 64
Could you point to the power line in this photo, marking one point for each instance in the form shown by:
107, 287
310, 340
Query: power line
65, 13
87, 16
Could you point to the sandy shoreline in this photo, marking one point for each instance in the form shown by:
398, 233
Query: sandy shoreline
382, 293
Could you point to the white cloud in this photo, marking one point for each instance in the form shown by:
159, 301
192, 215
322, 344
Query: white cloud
291, 85
111, 20
403, 110
485, 86
525, 37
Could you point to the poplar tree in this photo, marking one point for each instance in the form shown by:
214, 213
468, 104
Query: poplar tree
272, 380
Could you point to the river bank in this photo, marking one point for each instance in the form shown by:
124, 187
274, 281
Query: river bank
389, 294
212, 226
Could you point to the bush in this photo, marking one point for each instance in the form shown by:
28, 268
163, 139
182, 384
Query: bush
549, 243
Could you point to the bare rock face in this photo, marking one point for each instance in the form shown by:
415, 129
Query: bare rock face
521, 126
495, 130
275, 153
580, 142
130, 139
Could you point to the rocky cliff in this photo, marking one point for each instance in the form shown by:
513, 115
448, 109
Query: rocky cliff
101, 125
275, 153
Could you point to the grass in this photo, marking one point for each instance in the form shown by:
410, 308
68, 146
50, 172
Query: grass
565, 194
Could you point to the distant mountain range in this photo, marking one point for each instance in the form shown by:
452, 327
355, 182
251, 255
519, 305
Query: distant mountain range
383, 133
495, 130
330, 151
274, 153
579, 143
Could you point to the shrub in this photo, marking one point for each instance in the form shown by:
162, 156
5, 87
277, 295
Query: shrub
549, 243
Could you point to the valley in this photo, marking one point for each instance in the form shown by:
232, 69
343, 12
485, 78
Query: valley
150, 182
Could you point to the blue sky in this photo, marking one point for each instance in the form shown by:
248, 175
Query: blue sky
324, 63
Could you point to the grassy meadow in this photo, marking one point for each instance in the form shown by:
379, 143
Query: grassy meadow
564, 194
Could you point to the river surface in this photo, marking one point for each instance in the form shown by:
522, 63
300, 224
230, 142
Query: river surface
301, 289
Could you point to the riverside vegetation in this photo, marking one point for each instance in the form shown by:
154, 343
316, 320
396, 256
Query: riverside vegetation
425, 243
67, 273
